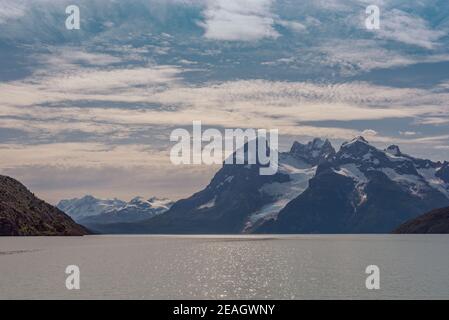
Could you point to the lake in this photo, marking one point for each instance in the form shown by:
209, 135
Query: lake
226, 267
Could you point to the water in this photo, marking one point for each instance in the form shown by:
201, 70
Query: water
226, 267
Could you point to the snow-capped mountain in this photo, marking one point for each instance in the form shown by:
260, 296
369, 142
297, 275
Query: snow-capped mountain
363, 189
359, 189
91, 211
300, 166
86, 206
238, 198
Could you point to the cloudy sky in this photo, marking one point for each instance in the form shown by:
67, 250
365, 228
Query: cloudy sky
90, 111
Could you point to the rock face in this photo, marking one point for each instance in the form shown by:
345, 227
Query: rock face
434, 222
22, 214
363, 190
443, 172
314, 152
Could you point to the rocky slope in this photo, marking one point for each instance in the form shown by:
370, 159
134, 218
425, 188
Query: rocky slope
435, 222
22, 214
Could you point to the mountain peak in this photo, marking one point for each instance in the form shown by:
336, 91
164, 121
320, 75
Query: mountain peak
87, 198
243, 154
315, 144
358, 149
358, 139
394, 150
137, 199
318, 143
358, 144
314, 151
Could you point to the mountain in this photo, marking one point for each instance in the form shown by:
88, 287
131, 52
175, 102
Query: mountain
435, 222
313, 152
238, 198
22, 214
88, 206
94, 213
359, 189
364, 190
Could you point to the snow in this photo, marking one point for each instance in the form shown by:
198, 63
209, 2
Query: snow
300, 173
429, 175
357, 139
208, 205
160, 203
415, 184
351, 170
401, 178
90, 206
394, 158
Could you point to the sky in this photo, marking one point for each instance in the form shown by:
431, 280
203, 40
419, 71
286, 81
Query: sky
90, 111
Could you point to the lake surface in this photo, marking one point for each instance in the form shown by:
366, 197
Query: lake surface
226, 267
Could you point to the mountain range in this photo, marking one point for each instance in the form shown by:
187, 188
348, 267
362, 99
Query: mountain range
23, 214
94, 213
357, 189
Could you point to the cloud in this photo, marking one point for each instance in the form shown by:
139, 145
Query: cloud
408, 133
292, 25
80, 155
369, 132
119, 84
403, 27
62, 170
69, 56
238, 20
65, 170
11, 10
79, 101
353, 56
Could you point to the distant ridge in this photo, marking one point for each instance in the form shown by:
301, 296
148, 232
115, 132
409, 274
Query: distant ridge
97, 214
22, 214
